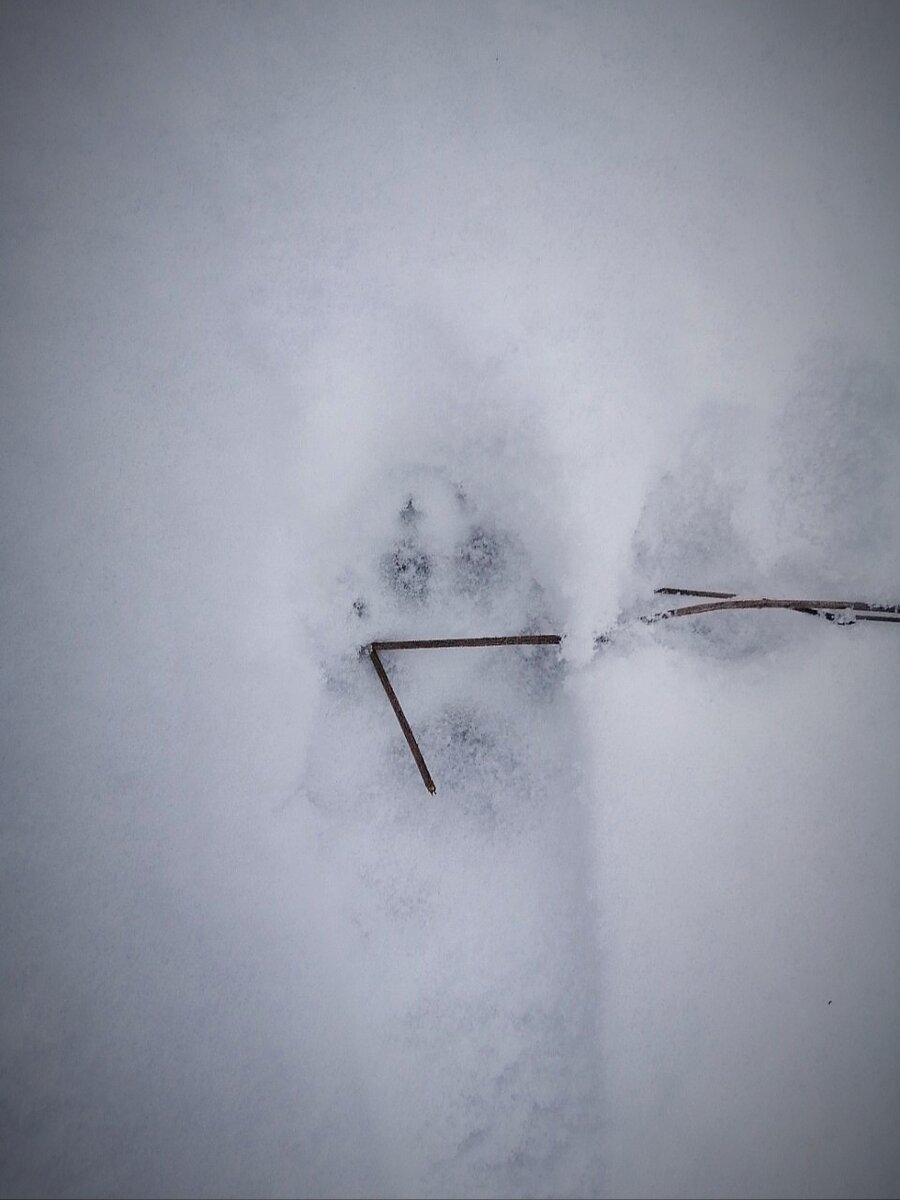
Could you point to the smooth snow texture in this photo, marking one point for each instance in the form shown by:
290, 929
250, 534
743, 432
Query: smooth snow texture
610, 293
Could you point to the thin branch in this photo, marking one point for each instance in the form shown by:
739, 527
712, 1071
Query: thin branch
830, 610
890, 612
523, 639
401, 717
693, 592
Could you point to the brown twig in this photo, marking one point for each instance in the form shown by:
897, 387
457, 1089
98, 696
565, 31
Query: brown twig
401, 717
864, 612
715, 602
692, 592
522, 639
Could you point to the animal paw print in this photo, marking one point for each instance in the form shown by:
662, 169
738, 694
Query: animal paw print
479, 561
408, 570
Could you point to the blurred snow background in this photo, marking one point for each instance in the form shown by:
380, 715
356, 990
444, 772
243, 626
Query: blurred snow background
628, 276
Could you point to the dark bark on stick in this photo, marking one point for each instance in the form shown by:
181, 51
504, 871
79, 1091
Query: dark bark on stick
401, 717
830, 610
693, 592
524, 639
805, 606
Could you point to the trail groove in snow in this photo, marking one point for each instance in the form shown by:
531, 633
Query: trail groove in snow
474, 918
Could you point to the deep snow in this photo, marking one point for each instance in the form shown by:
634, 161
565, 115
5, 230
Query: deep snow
611, 294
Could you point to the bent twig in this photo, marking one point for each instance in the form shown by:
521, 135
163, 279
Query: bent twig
519, 639
401, 717
830, 610
819, 608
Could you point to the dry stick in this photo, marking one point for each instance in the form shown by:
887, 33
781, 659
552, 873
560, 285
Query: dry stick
692, 592
525, 639
401, 717
864, 611
856, 605
719, 602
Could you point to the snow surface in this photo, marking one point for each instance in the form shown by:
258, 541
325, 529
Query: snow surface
611, 293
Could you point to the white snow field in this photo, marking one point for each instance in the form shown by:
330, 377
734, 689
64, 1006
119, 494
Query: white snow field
324, 324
